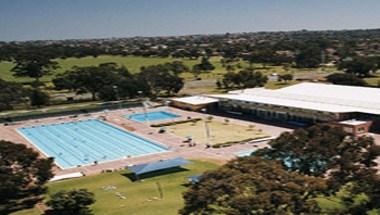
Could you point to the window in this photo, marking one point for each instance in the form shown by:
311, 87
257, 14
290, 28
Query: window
361, 129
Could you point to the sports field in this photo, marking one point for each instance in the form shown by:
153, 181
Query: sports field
141, 198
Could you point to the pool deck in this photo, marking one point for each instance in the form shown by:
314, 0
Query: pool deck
174, 143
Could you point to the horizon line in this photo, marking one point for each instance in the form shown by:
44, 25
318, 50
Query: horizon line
185, 35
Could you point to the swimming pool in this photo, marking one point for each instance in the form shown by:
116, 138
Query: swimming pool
152, 116
84, 142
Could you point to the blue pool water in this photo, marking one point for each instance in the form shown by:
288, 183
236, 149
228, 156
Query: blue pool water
152, 116
83, 142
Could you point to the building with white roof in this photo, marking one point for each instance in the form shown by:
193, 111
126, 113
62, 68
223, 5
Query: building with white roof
194, 103
305, 102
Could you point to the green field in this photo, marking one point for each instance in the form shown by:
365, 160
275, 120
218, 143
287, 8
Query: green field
373, 81
133, 63
206, 85
141, 196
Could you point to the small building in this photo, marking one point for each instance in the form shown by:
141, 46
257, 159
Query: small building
194, 103
273, 77
354, 127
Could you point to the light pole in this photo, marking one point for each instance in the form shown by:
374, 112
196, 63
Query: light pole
207, 129
116, 89
144, 106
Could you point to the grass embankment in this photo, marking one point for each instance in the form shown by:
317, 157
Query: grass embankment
141, 197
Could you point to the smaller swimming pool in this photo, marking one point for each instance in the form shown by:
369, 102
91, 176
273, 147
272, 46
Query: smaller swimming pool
152, 116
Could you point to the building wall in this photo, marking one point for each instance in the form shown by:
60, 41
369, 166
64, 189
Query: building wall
280, 113
191, 107
356, 130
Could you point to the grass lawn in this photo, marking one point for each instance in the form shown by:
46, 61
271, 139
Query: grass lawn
277, 84
139, 195
32, 211
220, 132
133, 63
373, 81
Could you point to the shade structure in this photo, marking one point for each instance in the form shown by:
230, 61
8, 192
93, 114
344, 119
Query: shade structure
158, 165
194, 179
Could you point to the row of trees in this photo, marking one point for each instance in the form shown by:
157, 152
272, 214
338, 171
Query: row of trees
263, 47
203, 67
246, 78
112, 82
107, 81
355, 69
346, 79
286, 178
14, 94
23, 174
360, 66
33, 64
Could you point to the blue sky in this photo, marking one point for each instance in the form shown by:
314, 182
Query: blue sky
66, 19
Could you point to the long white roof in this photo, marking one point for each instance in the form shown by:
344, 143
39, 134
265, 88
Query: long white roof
314, 96
196, 100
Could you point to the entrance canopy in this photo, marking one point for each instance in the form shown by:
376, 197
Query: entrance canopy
158, 165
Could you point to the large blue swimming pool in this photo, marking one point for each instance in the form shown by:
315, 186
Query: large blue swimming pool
87, 141
152, 116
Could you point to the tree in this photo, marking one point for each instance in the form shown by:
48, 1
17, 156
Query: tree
159, 79
346, 79
11, 94
308, 57
33, 65
23, 174
125, 87
253, 186
92, 79
73, 202
38, 97
348, 201
245, 78
360, 67
177, 67
219, 84
196, 71
286, 77
230, 68
203, 66
250, 79
323, 149
266, 56
330, 153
